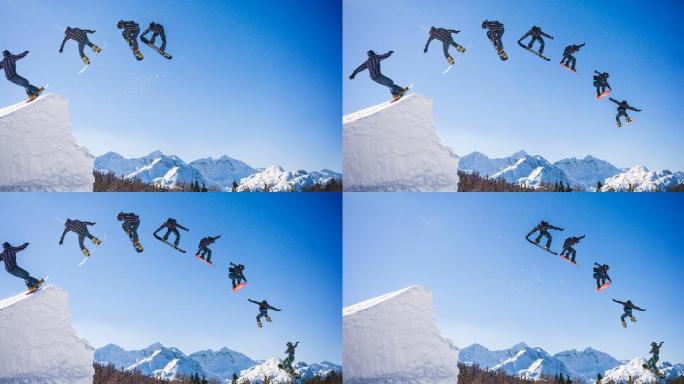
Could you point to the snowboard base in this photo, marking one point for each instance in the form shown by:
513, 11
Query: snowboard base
544, 248
604, 94
603, 287
534, 52
92, 252
170, 244
239, 287
163, 53
568, 260
568, 68
204, 261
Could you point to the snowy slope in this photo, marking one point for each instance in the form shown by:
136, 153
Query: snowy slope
532, 171
480, 163
533, 363
478, 354
121, 166
587, 171
167, 363
38, 344
269, 369
588, 362
633, 368
280, 180
220, 173
119, 357
642, 180
222, 363
37, 150
394, 147
394, 339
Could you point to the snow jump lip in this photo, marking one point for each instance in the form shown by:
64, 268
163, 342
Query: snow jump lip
20, 105
358, 115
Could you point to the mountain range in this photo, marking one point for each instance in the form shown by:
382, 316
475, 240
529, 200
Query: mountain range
533, 362
216, 174
532, 171
168, 363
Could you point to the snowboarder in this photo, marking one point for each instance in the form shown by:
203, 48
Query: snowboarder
601, 276
543, 228
444, 35
627, 307
651, 364
568, 251
131, 222
81, 37
264, 306
9, 64
569, 60
157, 30
236, 275
495, 31
601, 84
287, 363
171, 226
9, 256
373, 66
536, 33
622, 111
81, 229
131, 29
203, 251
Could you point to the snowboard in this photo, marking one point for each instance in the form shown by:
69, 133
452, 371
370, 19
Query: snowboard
533, 51
292, 373
39, 285
239, 287
654, 371
568, 260
568, 68
604, 94
170, 244
499, 51
398, 97
163, 53
603, 287
547, 250
91, 60
204, 261
454, 60
38, 92
92, 252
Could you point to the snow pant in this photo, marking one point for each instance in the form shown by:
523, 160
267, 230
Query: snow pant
568, 252
569, 61
262, 314
81, 238
175, 232
627, 313
163, 40
387, 82
82, 45
205, 253
22, 274
600, 88
20, 81
132, 231
651, 363
131, 39
541, 44
445, 47
601, 279
621, 114
495, 38
544, 234
287, 363
236, 279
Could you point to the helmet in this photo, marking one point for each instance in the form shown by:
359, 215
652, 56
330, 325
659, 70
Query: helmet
68, 221
432, 28
68, 28
120, 24
289, 343
6, 245
484, 24
653, 343
370, 53
119, 216
544, 222
264, 302
6, 53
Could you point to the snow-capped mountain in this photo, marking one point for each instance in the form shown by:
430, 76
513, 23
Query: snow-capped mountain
168, 363
588, 362
478, 354
634, 369
280, 180
521, 168
218, 174
533, 363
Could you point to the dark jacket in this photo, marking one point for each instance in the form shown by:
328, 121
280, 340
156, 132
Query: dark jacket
9, 256
570, 49
263, 305
372, 64
441, 34
570, 241
77, 226
205, 242
9, 64
76, 34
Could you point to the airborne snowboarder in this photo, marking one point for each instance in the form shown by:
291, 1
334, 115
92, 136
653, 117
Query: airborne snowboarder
444, 35
651, 364
9, 256
543, 229
131, 29
622, 111
373, 66
81, 37
264, 306
601, 276
131, 222
171, 226
157, 30
536, 34
601, 84
495, 31
236, 275
81, 229
287, 363
627, 307
569, 60
9, 64
203, 251
568, 251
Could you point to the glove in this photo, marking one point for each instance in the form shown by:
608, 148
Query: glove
425, 50
61, 50
61, 242
391, 52
351, 77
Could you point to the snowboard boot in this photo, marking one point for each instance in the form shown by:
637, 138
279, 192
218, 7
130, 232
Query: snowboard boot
259, 324
96, 49
36, 286
96, 241
624, 324
86, 253
628, 119
460, 49
633, 319
85, 59
619, 124
138, 54
268, 318
450, 60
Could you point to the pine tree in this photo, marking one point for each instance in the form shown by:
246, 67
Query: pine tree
599, 185
266, 188
235, 377
204, 188
235, 186
561, 378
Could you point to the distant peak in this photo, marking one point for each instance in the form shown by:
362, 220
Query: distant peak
155, 153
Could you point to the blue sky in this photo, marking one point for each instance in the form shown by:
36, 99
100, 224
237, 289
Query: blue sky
492, 287
256, 80
289, 243
498, 107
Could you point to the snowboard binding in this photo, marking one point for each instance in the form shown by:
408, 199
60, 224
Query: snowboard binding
85, 59
96, 49
259, 324
96, 241
35, 287
450, 60
85, 251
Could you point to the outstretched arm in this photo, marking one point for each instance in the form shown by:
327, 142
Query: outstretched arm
182, 227
89, 30
581, 237
158, 229
581, 45
145, 33
619, 302
639, 309
613, 100
427, 44
634, 109
216, 238
252, 301
357, 70
20, 248
21, 55
89, 223
61, 47
546, 35
531, 232
274, 308
61, 239
556, 228
386, 55
523, 37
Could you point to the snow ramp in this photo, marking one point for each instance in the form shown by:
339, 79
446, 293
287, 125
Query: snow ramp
38, 344
394, 339
394, 146
37, 150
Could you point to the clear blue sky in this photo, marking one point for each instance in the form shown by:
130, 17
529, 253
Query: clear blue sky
290, 244
498, 107
492, 287
256, 80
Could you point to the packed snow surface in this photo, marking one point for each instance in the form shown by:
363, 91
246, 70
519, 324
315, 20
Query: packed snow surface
395, 147
640, 179
38, 344
37, 150
394, 339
